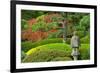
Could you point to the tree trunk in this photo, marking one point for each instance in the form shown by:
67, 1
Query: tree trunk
64, 32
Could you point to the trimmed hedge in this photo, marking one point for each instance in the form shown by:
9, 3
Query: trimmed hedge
55, 46
45, 55
28, 45
47, 52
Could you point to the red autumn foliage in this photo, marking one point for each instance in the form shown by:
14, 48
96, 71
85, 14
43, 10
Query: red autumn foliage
33, 36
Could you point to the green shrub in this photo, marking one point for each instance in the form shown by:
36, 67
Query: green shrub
85, 22
45, 55
84, 52
85, 40
22, 55
68, 40
24, 24
80, 34
25, 46
28, 45
47, 52
55, 46
39, 26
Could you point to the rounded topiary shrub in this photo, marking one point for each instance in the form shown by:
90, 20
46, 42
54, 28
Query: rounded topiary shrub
56, 46
47, 53
28, 44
